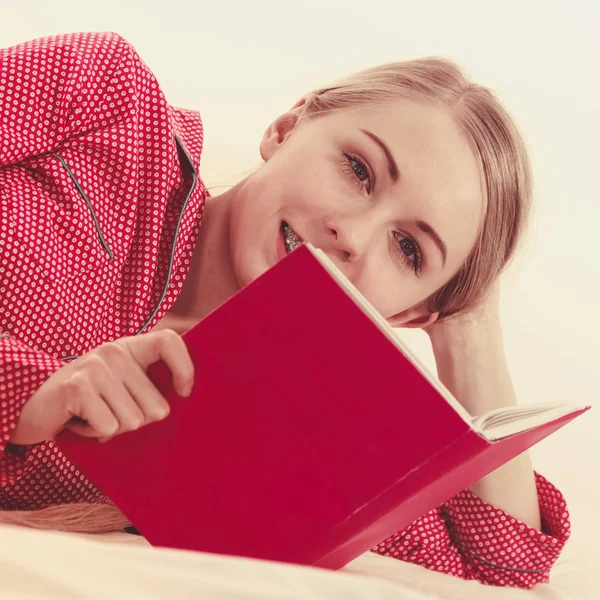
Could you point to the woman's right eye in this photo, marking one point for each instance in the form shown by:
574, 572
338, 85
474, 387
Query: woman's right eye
358, 171
409, 252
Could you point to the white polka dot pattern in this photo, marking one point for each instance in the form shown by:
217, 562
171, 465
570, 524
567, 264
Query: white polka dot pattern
80, 267
471, 539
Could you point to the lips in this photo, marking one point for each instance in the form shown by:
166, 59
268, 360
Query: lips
291, 239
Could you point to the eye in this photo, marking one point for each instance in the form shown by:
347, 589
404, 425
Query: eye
359, 171
409, 251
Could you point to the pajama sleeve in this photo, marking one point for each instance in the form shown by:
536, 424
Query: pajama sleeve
471, 539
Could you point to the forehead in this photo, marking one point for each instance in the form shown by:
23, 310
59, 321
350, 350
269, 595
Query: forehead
440, 178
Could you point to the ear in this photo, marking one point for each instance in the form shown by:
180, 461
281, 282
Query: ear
281, 129
416, 317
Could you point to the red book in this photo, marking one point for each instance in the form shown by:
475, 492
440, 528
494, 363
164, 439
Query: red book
311, 435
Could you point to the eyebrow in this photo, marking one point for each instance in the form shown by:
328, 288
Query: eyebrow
437, 240
392, 166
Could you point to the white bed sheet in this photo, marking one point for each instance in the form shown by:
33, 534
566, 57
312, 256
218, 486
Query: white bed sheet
53, 566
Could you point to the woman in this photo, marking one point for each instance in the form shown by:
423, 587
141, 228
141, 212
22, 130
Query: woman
415, 183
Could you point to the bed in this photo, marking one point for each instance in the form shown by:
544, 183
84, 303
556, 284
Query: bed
58, 566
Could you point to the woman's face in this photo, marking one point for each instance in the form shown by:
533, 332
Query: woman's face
392, 194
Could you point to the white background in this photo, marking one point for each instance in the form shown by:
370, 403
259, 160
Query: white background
242, 63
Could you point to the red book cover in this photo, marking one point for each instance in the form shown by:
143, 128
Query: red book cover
311, 434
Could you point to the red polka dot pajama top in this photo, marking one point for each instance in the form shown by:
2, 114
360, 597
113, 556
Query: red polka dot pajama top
100, 208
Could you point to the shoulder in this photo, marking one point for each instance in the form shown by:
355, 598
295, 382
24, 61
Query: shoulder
82, 51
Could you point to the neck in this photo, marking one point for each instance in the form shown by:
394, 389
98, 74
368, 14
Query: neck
210, 280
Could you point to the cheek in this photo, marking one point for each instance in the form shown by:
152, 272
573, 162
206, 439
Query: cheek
298, 186
389, 289
306, 178
391, 293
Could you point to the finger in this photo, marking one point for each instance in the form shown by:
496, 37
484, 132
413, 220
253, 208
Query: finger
168, 346
114, 392
145, 394
82, 428
98, 418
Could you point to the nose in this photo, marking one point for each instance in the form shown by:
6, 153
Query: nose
350, 237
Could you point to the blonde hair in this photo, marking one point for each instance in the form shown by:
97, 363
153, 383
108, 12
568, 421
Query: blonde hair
83, 517
505, 170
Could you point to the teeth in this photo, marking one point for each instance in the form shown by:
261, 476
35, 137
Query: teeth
292, 241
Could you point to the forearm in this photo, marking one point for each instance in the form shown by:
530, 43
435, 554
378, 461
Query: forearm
471, 363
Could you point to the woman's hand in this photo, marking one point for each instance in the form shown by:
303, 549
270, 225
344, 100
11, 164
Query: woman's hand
485, 314
470, 359
106, 391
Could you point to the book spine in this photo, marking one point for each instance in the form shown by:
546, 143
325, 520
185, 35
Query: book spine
422, 489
